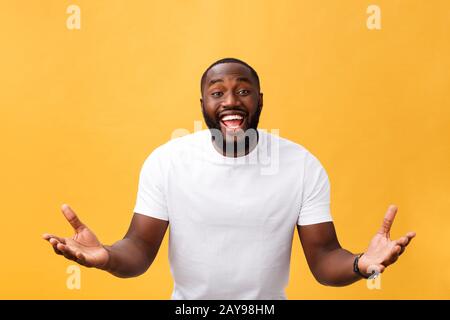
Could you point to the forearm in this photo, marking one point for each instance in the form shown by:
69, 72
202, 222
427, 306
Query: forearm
128, 258
335, 268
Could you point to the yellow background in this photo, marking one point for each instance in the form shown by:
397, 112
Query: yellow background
80, 110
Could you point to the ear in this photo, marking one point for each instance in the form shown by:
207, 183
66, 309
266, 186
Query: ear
201, 103
260, 103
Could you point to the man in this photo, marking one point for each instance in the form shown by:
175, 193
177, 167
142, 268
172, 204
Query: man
231, 223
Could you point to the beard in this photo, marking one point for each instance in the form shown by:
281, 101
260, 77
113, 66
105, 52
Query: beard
242, 140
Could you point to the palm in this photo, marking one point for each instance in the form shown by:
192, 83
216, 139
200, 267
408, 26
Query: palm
87, 244
83, 247
383, 251
380, 249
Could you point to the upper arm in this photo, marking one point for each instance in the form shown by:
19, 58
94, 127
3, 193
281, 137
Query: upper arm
317, 240
147, 232
151, 196
315, 196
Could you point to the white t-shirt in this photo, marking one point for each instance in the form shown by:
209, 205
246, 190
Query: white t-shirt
232, 220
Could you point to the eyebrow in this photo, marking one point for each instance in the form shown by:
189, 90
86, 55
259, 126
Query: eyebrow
239, 79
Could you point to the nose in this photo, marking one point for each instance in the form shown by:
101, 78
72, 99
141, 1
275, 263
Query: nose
231, 100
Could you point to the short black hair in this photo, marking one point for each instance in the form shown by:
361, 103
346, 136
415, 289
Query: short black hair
228, 60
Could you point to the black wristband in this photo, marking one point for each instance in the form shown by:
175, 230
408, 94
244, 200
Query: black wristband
356, 268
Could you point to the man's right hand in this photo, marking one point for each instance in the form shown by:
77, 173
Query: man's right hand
83, 247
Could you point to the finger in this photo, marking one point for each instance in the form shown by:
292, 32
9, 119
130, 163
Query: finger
65, 251
388, 220
81, 259
411, 235
68, 255
396, 250
54, 242
403, 241
404, 247
395, 253
57, 251
74, 255
48, 237
72, 217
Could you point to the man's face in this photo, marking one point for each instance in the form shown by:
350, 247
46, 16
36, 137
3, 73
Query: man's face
231, 100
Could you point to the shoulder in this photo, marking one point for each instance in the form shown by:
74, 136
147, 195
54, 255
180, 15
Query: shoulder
178, 146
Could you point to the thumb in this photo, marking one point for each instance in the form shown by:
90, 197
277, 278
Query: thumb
72, 217
388, 220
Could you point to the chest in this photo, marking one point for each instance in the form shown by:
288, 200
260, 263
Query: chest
213, 193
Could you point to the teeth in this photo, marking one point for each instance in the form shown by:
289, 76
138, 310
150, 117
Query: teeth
232, 117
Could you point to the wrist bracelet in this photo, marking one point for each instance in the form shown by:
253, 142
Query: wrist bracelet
356, 268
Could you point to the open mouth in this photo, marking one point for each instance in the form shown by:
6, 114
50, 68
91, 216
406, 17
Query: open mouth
232, 121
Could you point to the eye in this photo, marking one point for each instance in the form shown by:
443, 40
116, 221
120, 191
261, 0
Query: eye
217, 94
243, 92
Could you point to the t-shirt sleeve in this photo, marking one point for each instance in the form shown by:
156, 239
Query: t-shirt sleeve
151, 198
315, 206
